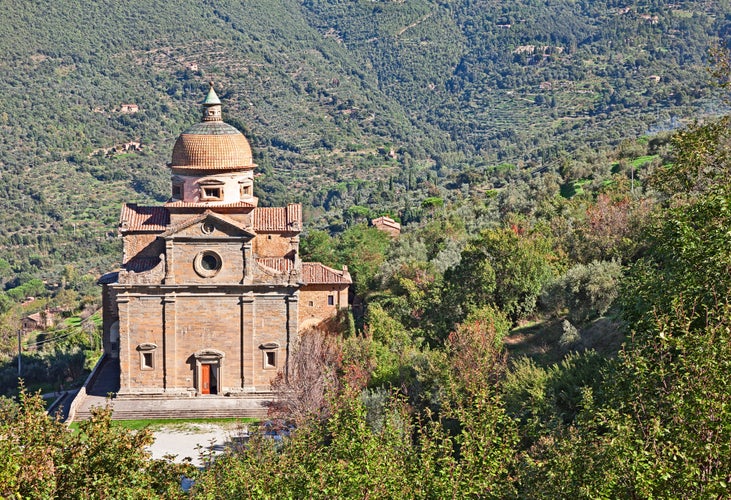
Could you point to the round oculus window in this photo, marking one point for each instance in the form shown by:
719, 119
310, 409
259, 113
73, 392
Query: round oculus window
207, 264
207, 227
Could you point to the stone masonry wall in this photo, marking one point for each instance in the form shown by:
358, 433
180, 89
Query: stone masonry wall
206, 321
270, 327
232, 262
142, 244
144, 326
242, 327
313, 303
271, 245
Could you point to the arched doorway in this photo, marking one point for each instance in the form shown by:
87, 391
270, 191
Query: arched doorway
208, 371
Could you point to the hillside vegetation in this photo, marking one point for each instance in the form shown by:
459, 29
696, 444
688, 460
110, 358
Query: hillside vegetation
370, 103
423, 400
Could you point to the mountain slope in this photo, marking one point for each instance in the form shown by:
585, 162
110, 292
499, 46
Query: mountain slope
358, 102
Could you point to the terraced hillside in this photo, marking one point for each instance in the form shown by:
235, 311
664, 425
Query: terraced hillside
376, 104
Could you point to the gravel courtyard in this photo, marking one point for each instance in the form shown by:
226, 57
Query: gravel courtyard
193, 439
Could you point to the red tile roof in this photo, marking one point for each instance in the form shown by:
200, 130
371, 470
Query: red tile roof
188, 204
315, 273
136, 218
278, 219
386, 221
280, 264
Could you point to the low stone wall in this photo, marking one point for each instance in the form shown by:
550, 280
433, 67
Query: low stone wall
81, 395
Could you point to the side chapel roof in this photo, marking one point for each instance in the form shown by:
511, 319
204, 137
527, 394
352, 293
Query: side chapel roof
137, 218
315, 273
278, 219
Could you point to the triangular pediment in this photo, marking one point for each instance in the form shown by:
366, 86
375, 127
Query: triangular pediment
208, 225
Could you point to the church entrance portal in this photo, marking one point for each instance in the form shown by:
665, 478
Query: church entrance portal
209, 379
208, 369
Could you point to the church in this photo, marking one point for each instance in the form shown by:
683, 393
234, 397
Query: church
211, 293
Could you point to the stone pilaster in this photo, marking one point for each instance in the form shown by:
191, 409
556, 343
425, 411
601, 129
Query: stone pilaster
248, 358
292, 325
169, 263
248, 263
169, 343
125, 348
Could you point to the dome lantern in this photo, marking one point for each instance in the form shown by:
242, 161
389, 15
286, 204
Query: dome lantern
212, 162
212, 106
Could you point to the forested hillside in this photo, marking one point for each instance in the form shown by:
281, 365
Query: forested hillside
379, 104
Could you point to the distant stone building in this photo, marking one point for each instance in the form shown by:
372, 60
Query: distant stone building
387, 225
212, 292
32, 322
129, 108
39, 320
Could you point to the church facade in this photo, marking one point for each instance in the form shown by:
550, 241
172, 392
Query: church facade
212, 292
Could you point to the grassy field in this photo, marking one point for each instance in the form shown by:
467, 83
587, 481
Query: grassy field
173, 423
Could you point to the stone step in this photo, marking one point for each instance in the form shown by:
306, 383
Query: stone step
186, 408
162, 396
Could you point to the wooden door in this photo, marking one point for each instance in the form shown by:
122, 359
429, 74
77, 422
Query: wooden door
205, 379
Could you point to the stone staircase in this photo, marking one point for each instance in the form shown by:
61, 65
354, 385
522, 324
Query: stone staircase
181, 408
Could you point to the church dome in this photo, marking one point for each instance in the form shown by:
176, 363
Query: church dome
212, 144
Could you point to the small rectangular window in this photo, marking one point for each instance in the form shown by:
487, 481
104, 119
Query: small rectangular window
177, 191
270, 359
331, 300
212, 193
147, 361
311, 303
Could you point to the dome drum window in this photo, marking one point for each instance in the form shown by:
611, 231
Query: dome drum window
177, 193
210, 193
245, 189
211, 190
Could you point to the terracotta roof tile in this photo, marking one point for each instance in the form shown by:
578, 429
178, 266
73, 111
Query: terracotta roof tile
136, 218
386, 221
278, 219
212, 145
187, 204
315, 273
280, 264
